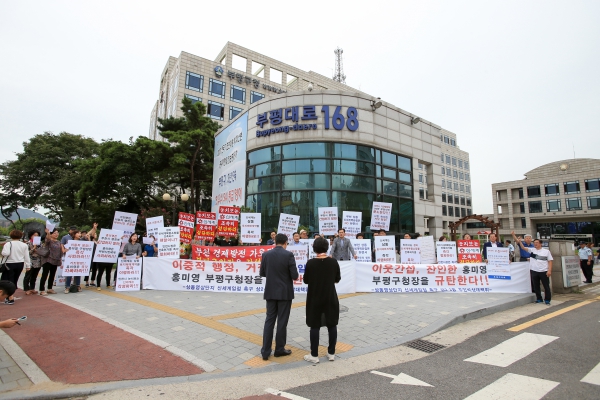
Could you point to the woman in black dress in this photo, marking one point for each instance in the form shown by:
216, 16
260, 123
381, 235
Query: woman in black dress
322, 304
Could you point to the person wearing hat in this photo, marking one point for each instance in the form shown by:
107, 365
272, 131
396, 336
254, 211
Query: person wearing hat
586, 257
303, 234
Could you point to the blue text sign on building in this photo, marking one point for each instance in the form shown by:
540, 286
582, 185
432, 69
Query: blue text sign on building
303, 119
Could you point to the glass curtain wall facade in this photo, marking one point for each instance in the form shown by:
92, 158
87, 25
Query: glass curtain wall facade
299, 178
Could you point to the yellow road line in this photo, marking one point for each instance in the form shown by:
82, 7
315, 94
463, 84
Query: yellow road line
297, 354
546, 317
264, 310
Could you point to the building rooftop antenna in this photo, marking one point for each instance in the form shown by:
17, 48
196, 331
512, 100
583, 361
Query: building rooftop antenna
339, 66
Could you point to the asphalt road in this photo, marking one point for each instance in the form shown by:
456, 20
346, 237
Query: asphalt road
546, 360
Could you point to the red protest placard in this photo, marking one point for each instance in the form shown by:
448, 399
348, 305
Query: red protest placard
227, 228
205, 232
186, 234
468, 251
187, 220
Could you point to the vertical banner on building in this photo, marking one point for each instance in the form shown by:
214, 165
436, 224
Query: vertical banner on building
498, 263
385, 249
288, 225
229, 220
446, 252
168, 242
352, 223
206, 225
108, 245
570, 270
381, 216
129, 274
410, 251
328, 220
362, 248
250, 227
124, 221
468, 251
427, 249
153, 224
78, 258
229, 166
186, 227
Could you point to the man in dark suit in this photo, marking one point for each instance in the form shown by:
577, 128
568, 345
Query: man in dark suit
342, 248
492, 243
278, 266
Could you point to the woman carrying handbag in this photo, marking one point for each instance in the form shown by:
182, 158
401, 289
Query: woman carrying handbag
17, 257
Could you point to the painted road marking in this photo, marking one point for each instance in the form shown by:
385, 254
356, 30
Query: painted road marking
403, 379
593, 376
512, 350
513, 386
297, 353
284, 394
548, 316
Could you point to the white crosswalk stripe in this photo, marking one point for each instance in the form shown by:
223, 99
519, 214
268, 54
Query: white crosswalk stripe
512, 350
285, 395
513, 386
593, 376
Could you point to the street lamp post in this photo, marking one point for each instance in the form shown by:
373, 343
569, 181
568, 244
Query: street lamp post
167, 197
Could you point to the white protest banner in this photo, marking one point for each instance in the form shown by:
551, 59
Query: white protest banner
385, 249
328, 220
229, 172
107, 248
459, 278
498, 256
309, 243
153, 225
446, 252
427, 248
218, 276
301, 257
147, 240
352, 223
250, 227
78, 258
362, 248
129, 274
37, 240
288, 225
168, 242
381, 216
49, 225
410, 252
570, 270
498, 263
124, 221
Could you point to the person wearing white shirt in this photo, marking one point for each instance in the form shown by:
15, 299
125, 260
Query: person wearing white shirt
16, 256
586, 257
540, 264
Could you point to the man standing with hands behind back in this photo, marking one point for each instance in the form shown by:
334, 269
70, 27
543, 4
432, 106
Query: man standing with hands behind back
586, 261
278, 266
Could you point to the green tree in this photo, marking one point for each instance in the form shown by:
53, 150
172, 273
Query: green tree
45, 174
193, 140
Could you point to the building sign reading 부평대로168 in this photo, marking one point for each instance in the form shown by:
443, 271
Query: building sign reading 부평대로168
336, 119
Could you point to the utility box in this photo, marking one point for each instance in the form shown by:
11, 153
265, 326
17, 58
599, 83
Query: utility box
563, 249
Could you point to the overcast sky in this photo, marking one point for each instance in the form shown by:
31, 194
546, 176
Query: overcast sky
517, 81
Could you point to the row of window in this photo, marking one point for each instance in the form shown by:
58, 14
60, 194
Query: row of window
456, 199
452, 173
311, 150
454, 161
456, 186
571, 204
553, 189
455, 211
447, 140
217, 88
216, 110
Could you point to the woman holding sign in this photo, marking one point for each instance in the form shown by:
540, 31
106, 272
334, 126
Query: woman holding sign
322, 304
31, 273
50, 261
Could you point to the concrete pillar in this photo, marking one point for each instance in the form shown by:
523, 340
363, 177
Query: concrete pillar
559, 249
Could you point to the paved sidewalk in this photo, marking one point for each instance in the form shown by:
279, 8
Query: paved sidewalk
222, 332
11, 375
